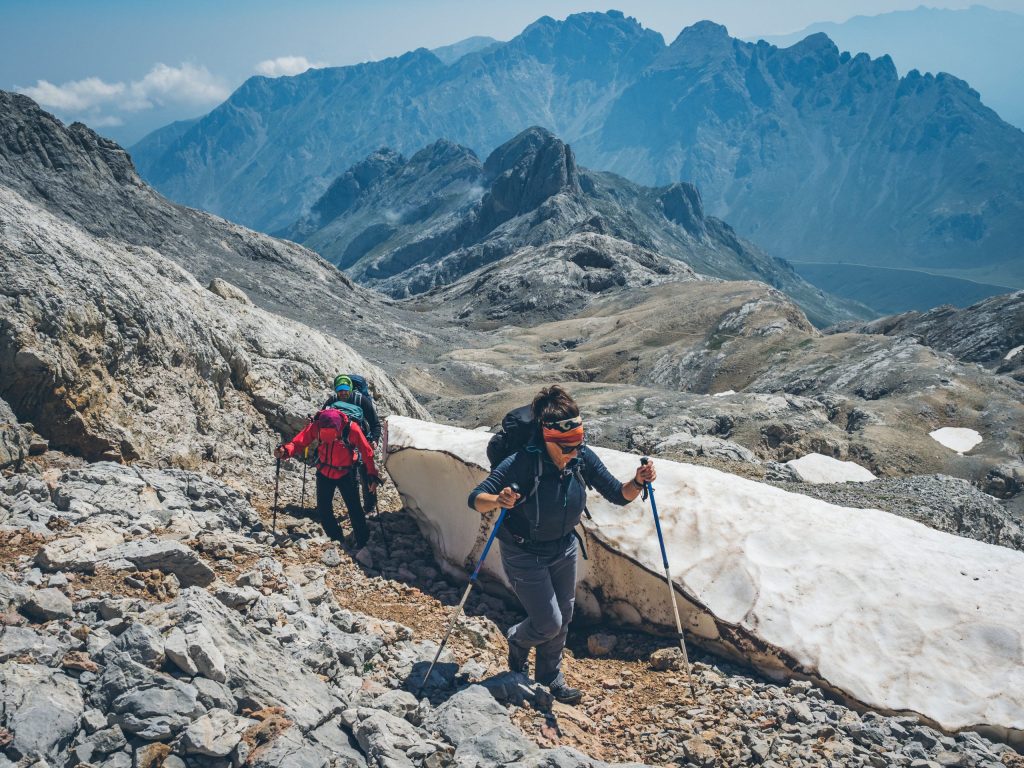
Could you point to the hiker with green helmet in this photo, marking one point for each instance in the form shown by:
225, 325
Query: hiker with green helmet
553, 469
346, 394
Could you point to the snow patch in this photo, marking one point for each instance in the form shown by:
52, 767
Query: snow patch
959, 439
1013, 352
725, 394
879, 608
817, 468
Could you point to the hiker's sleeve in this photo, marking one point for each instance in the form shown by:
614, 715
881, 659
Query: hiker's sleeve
301, 440
364, 448
500, 477
370, 412
597, 474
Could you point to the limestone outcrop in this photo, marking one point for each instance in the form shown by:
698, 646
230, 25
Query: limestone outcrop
113, 351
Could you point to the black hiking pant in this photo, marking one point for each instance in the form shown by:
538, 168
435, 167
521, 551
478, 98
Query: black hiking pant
349, 487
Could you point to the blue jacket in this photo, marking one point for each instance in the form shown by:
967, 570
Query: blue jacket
555, 509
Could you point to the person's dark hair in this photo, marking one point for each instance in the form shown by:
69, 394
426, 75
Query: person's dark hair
554, 404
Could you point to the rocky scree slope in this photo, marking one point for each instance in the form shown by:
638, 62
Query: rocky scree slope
405, 226
990, 332
125, 642
814, 154
146, 646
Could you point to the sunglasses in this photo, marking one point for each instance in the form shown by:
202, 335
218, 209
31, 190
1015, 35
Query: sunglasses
565, 425
567, 449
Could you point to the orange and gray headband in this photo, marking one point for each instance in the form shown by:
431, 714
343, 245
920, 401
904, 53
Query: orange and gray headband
564, 432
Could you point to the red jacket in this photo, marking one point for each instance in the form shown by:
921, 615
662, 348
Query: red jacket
335, 457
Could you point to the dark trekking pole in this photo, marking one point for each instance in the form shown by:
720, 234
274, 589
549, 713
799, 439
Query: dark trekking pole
668, 579
371, 504
305, 466
465, 595
380, 522
277, 481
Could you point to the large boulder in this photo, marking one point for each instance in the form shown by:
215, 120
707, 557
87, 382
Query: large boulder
881, 610
40, 708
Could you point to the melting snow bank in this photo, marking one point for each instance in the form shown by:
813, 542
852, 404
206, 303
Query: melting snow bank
882, 610
818, 468
956, 439
1013, 352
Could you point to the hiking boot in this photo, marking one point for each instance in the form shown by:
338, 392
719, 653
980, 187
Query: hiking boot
518, 660
566, 694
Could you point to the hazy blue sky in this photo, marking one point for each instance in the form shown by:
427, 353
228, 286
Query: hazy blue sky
127, 66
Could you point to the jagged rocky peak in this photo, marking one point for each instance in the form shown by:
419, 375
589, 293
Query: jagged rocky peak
347, 188
526, 171
444, 153
33, 143
683, 205
588, 36
702, 33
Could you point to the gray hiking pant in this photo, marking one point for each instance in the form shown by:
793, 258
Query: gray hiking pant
546, 586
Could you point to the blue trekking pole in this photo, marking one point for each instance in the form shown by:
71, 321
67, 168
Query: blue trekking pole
668, 579
465, 595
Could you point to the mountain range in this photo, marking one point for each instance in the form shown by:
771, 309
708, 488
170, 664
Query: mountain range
128, 336
981, 45
813, 154
408, 225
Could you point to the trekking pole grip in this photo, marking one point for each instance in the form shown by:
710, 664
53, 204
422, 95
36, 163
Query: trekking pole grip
490, 539
657, 520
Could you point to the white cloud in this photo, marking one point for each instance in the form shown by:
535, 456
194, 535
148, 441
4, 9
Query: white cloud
75, 95
286, 65
187, 85
105, 121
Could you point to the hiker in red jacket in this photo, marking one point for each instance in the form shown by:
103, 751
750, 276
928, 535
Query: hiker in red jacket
342, 446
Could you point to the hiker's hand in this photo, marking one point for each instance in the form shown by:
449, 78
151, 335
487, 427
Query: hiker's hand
373, 484
646, 473
280, 452
507, 498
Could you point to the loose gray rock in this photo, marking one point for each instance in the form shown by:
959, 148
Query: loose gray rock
41, 708
237, 597
214, 695
165, 556
158, 711
290, 749
215, 734
18, 641
140, 643
501, 745
468, 713
176, 648
47, 604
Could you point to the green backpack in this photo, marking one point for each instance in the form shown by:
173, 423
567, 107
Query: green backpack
353, 411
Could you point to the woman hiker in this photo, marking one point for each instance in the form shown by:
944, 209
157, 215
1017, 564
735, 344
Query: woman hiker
342, 447
538, 546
